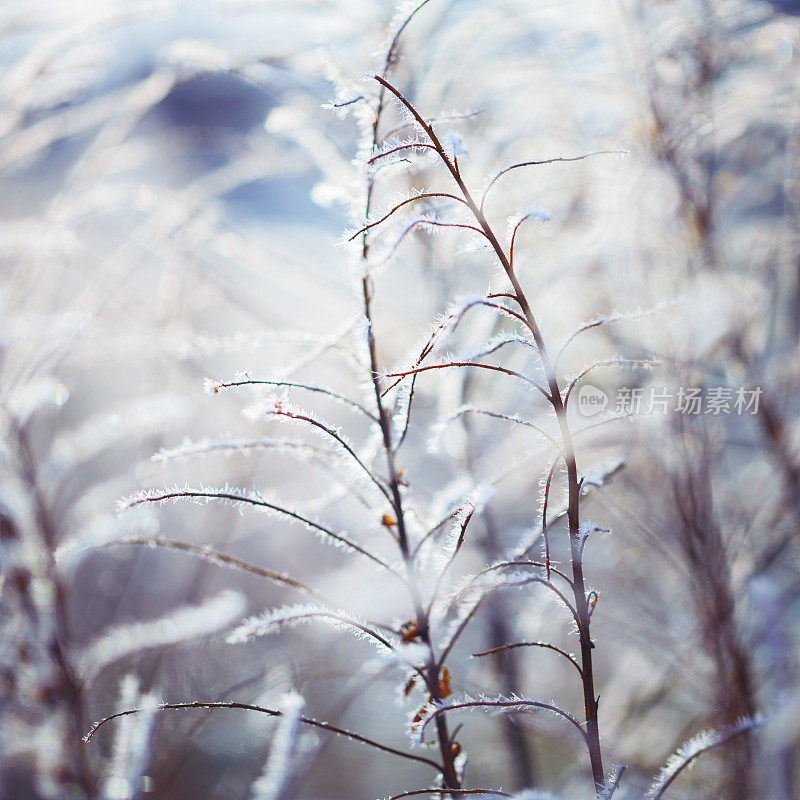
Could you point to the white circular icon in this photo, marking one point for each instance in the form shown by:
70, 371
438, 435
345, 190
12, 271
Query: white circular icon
591, 400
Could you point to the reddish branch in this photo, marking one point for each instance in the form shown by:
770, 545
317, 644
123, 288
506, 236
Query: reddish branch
556, 399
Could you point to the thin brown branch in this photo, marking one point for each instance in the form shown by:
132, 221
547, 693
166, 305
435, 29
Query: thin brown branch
505, 704
432, 531
450, 777
514, 238
279, 411
545, 500
208, 553
160, 497
542, 162
583, 619
507, 418
214, 705
407, 423
293, 385
462, 534
546, 645
496, 587
453, 321
433, 223
475, 364
423, 196
434, 120
521, 563
400, 148
414, 792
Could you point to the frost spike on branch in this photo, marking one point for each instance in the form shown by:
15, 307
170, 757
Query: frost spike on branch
469, 510
402, 410
432, 530
548, 482
325, 458
517, 226
501, 340
588, 483
399, 23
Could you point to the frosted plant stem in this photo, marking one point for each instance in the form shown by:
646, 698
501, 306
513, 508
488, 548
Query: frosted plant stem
71, 687
557, 402
432, 668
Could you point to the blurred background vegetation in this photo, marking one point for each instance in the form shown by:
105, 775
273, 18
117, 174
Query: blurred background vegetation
174, 193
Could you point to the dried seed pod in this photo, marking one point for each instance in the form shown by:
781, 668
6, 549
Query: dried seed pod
410, 631
423, 710
444, 683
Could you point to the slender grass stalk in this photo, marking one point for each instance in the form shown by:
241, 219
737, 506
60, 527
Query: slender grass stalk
557, 402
